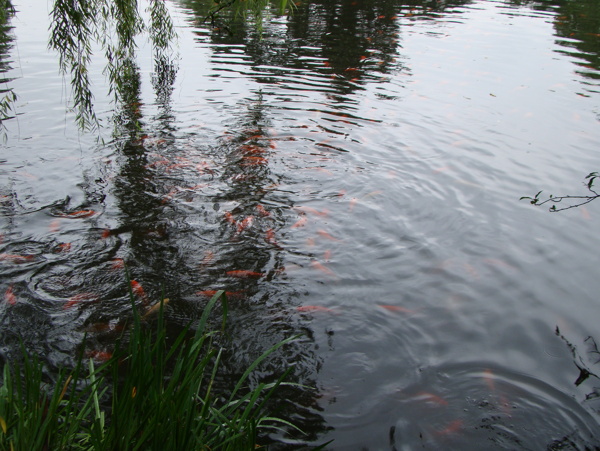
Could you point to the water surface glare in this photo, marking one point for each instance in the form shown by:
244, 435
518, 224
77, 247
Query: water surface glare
352, 175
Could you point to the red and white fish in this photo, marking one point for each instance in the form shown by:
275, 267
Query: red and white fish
139, 291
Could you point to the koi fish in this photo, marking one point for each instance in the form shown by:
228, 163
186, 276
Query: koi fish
327, 235
353, 202
262, 211
245, 224
117, 263
138, 290
499, 263
314, 308
430, 397
452, 428
300, 223
78, 214
396, 308
155, 308
209, 257
314, 211
327, 255
373, 193
323, 268
63, 247
229, 294
9, 295
229, 217
15, 258
270, 237
54, 226
74, 300
488, 377
254, 161
204, 168
249, 149
102, 356
245, 274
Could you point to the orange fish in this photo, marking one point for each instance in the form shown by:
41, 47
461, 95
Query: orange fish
327, 255
229, 217
117, 263
254, 161
323, 268
396, 308
209, 257
229, 294
300, 223
327, 235
16, 258
245, 224
55, 225
314, 308
106, 233
270, 237
9, 296
262, 211
430, 397
63, 247
138, 290
244, 274
79, 214
155, 308
102, 356
488, 377
306, 209
73, 300
452, 428
353, 202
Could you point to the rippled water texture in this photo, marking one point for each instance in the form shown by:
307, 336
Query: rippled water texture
353, 175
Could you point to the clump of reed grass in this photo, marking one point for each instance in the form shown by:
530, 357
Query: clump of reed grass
151, 394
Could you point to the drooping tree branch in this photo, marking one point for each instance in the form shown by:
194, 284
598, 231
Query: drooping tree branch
579, 200
78, 25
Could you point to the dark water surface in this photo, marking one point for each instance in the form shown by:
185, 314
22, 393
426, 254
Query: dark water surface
364, 161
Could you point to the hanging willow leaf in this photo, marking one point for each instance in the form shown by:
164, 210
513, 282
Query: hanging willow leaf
76, 27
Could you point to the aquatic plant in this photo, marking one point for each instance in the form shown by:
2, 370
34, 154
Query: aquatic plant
151, 393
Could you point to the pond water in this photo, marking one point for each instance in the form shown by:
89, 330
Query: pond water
353, 175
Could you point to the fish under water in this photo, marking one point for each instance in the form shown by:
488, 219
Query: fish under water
245, 274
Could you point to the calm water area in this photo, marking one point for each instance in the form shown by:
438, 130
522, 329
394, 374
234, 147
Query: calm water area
353, 176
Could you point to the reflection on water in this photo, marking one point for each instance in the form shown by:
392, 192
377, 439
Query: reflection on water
351, 176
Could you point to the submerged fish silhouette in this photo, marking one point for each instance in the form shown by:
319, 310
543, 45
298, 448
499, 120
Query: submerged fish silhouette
9, 295
245, 274
314, 308
78, 214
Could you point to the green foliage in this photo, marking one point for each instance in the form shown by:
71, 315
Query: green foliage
254, 10
76, 27
579, 200
9, 97
152, 394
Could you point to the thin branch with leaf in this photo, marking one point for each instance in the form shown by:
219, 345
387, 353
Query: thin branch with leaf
578, 200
